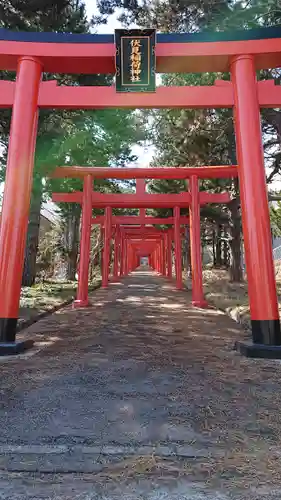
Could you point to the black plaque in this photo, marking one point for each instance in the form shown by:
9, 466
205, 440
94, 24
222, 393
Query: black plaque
135, 60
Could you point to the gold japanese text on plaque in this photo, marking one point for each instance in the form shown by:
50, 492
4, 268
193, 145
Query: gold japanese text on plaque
135, 60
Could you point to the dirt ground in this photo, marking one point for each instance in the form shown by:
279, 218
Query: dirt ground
140, 396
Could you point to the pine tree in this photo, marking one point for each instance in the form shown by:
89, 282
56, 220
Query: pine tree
64, 134
35, 15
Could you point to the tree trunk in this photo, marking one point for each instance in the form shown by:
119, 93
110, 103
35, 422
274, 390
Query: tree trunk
101, 248
214, 247
32, 239
225, 254
187, 252
72, 265
236, 272
218, 246
72, 242
226, 250
95, 252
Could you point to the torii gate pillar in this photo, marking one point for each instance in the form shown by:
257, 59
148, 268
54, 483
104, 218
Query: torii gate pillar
178, 252
169, 256
122, 249
166, 254
195, 245
162, 257
16, 200
106, 247
255, 213
117, 241
85, 245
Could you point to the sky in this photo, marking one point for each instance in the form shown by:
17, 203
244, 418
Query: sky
112, 23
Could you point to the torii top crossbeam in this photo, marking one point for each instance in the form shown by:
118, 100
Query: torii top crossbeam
175, 52
142, 199
221, 171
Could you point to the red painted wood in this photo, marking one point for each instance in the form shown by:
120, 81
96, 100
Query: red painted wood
253, 193
169, 255
137, 220
116, 253
205, 197
178, 252
106, 247
76, 197
220, 95
63, 97
16, 202
103, 200
195, 245
221, 171
171, 57
85, 245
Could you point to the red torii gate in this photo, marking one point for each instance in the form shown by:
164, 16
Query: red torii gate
241, 53
192, 199
142, 220
163, 254
153, 242
122, 236
120, 256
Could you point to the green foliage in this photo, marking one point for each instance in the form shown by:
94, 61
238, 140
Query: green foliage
35, 15
193, 15
97, 138
275, 217
88, 138
247, 15
102, 138
194, 137
168, 15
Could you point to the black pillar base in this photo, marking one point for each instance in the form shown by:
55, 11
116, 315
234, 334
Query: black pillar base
8, 344
8, 329
258, 350
266, 331
266, 336
12, 348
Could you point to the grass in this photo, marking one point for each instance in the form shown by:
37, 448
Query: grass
46, 295
233, 297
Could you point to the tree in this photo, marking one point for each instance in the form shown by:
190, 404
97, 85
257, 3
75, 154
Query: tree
101, 138
275, 216
196, 138
167, 15
35, 15
87, 138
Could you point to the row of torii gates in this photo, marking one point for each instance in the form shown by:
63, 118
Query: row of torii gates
137, 236
241, 54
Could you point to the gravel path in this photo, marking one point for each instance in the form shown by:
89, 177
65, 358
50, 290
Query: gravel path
139, 397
